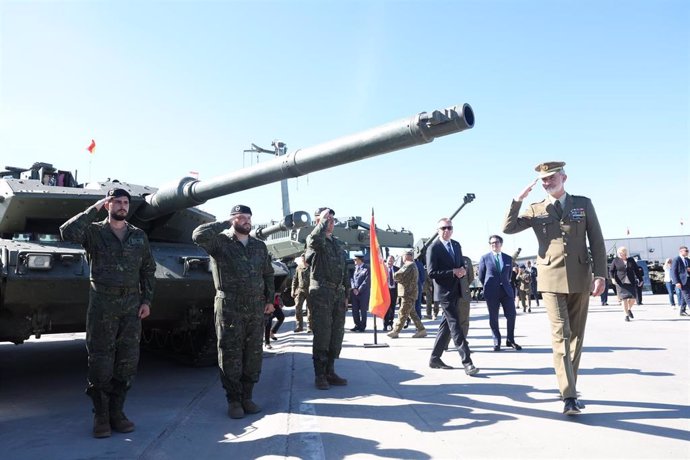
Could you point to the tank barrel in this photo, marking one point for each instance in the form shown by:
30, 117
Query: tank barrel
297, 219
409, 132
469, 198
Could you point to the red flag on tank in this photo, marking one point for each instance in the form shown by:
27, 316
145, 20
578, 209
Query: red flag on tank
379, 295
92, 147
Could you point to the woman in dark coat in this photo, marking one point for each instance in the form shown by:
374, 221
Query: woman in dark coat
624, 271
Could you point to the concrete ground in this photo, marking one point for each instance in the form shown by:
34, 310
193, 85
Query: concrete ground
634, 379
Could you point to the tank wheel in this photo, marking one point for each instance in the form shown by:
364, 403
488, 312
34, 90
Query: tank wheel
178, 341
160, 338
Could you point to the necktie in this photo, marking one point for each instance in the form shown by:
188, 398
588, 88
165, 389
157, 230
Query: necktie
498, 264
450, 249
559, 208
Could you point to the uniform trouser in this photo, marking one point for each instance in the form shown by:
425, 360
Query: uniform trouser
239, 327
360, 308
406, 311
113, 330
328, 314
568, 317
685, 292
302, 299
450, 328
525, 298
535, 294
508, 303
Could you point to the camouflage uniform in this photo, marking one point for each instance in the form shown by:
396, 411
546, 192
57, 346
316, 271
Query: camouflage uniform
243, 277
328, 278
122, 279
300, 292
464, 301
429, 296
524, 280
407, 278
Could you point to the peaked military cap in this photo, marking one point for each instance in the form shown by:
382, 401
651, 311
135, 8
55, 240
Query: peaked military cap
240, 209
117, 193
549, 168
320, 210
359, 255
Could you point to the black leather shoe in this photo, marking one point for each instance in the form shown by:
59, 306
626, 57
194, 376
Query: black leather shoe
684, 313
497, 348
471, 370
630, 314
580, 404
436, 363
570, 406
354, 329
512, 344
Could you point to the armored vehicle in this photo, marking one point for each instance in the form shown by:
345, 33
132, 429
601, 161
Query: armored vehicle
44, 281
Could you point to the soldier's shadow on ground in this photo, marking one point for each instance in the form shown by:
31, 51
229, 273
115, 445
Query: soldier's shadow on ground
449, 407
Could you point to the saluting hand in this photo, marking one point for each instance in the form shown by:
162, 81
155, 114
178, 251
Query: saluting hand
99, 204
526, 191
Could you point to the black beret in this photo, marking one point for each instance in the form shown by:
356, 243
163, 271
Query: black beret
240, 209
320, 210
117, 193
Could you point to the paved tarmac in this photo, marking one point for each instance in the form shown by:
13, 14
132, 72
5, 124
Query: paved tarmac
634, 379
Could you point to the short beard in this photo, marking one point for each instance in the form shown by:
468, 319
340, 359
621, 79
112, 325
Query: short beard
116, 216
240, 229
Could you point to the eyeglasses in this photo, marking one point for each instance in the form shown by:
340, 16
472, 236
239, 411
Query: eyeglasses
494, 242
447, 227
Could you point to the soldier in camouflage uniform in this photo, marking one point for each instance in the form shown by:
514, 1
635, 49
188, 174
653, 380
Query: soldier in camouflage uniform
243, 277
300, 292
122, 280
407, 278
327, 292
429, 296
464, 301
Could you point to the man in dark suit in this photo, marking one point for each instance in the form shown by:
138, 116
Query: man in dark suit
680, 274
494, 273
445, 266
393, 289
359, 284
569, 271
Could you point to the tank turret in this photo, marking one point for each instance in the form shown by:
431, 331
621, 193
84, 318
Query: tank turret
44, 281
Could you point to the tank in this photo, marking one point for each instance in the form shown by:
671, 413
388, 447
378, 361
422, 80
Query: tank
44, 281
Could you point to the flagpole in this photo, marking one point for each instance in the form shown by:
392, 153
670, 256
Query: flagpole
379, 296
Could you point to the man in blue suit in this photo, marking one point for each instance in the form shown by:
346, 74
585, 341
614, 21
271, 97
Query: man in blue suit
680, 274
445, 266
494, 273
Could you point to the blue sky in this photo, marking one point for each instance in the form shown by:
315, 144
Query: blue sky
171, 87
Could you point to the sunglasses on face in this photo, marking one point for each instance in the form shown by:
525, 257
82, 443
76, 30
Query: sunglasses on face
447, 227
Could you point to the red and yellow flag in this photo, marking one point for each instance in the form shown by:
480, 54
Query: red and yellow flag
379, 295
92, 147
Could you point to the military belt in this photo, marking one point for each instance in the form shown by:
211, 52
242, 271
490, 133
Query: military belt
114, 290
327, 284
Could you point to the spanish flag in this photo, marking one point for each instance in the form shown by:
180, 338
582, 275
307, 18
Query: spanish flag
379, 295
92, 147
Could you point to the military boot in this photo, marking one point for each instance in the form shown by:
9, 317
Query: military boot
321, 382
235, 409
249, 406
101, 424
118, 419
332, 377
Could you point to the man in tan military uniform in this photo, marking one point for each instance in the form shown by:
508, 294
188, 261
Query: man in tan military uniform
408, 288
563, 224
